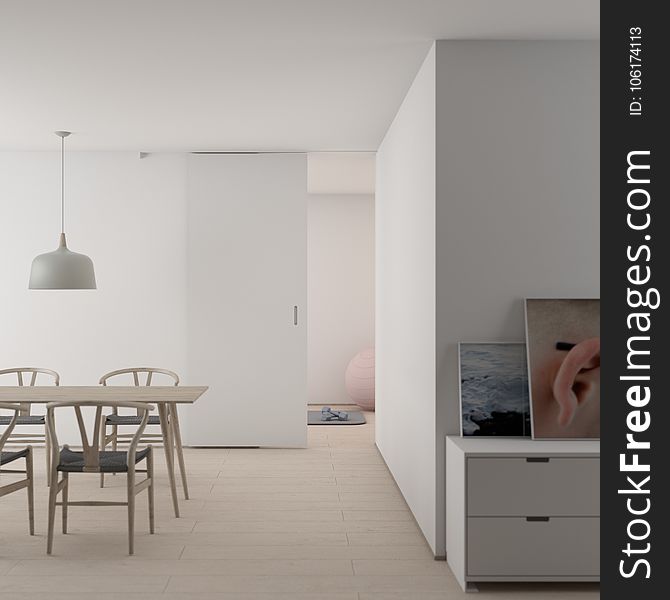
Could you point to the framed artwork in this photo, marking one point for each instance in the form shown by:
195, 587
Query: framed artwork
493, 380
563, 341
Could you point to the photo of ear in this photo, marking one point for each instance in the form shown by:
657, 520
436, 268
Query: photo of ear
563, 342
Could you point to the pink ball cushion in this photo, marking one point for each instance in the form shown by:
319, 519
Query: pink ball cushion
359, 379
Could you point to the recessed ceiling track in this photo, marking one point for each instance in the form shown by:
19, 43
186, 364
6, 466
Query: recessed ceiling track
283, 152
252, 152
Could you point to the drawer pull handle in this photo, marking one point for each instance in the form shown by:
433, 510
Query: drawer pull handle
537, 519
535, 459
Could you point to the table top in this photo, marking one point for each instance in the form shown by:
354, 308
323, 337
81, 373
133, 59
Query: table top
39, 394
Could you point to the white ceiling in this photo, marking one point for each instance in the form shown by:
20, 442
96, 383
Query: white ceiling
163, 75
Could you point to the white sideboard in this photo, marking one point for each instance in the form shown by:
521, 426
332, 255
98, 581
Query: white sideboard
522, 510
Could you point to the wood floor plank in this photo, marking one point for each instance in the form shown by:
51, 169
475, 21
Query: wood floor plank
315, 584
83, 584
136, 567
286, 526
206, 551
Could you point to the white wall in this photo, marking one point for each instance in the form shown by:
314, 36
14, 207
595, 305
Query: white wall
341, 172
517, 195
128, 215
340, 288
405, 298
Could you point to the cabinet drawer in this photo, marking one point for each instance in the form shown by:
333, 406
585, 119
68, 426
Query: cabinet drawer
507, 487
511, 547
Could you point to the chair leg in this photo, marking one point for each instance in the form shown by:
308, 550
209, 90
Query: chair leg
150, 490
103, 443
65, 497
174, 417
115, 439
131, 511
31, 491
47, 452
53, 492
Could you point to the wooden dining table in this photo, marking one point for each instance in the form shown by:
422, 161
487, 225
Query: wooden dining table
161, 396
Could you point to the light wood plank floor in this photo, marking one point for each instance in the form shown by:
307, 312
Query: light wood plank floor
326, 523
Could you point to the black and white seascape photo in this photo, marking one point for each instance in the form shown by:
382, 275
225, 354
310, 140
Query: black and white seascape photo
494, 389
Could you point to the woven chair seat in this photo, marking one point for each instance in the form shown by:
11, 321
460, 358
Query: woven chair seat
7, 457
110, 461
130, 420
24, 420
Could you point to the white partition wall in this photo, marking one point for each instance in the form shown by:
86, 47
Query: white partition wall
246, 315
487, 191
405, 298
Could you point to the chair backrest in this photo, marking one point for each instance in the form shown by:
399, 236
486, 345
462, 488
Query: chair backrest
135, 372
30, 374
91, 449
16, 408
149, 372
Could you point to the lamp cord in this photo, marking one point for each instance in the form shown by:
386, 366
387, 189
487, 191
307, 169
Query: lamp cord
62, 185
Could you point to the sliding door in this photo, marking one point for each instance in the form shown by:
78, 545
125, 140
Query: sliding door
247, 297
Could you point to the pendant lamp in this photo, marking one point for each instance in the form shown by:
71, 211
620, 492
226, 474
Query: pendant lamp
62, 269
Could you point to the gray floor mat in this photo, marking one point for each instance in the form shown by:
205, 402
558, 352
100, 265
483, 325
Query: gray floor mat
355, 418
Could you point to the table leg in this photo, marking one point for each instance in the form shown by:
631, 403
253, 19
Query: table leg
166, 430
176, 432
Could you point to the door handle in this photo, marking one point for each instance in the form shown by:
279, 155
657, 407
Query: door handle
295, 315
537, 519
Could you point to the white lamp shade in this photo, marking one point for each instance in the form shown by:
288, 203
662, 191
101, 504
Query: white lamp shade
62, 270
